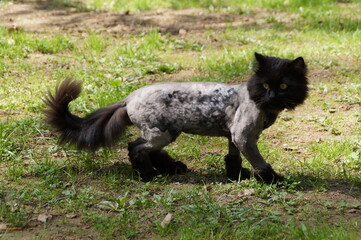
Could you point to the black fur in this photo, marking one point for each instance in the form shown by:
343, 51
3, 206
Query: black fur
153, 163
99, 129
268, 175
234, 168
274, 72
141, 161
165, 164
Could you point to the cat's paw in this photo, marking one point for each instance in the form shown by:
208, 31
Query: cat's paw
268, 175
242, 174
245, 173
148, 175
177, 167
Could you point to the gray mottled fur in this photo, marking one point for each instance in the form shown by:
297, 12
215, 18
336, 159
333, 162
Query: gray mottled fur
162, 111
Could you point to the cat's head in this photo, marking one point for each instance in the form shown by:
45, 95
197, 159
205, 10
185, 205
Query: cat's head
278, 83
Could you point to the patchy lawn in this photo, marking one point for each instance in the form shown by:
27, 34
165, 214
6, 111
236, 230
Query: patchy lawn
49, 191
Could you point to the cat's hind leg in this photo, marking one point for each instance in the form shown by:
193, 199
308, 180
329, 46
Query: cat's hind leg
233, 160
143, 151
165, 164
140, 159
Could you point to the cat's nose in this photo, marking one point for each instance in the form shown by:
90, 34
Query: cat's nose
272, 94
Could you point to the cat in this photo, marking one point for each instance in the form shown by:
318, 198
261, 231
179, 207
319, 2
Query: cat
163, 111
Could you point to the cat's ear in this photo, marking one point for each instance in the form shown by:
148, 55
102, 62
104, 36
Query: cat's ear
260, 58
299, 63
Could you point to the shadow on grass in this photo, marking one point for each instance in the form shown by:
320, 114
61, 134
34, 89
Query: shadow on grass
124, 170
351, 186
302, 182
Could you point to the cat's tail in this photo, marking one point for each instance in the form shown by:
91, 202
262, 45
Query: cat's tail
99, 129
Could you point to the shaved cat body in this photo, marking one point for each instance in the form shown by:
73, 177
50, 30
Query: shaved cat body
203, 108
163, 111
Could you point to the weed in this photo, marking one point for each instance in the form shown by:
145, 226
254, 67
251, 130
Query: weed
228, 64
14, 217
53, 45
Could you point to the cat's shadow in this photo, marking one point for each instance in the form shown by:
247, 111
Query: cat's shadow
309, 182
302, 182
124, 170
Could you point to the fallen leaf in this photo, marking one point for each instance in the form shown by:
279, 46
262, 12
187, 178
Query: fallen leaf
3, 227
289, 148
11, 41
248, 192
166, 221
182, 31
44, 217
352, 210
108, 205
71, 215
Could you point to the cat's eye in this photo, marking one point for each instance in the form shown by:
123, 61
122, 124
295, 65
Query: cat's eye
283, 86
265, 85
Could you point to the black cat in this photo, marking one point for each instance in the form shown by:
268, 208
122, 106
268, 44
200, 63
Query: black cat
162, 111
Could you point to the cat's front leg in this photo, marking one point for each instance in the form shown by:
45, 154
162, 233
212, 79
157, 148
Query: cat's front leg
268, 175
263, 171
233, 161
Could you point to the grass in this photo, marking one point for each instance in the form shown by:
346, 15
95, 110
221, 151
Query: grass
317, 146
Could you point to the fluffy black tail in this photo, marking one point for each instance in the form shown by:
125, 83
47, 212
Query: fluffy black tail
99, 129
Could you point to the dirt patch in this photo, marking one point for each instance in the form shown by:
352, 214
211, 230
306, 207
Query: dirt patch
59, 227
181, 76
42, 17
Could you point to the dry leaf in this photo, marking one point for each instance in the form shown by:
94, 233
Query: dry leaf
3, 226
44, 217
289, 148
108, 205
11, 41
166, 221
248, 192
182, 31
352, 210
71, 215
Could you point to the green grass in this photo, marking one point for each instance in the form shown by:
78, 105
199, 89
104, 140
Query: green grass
317, 146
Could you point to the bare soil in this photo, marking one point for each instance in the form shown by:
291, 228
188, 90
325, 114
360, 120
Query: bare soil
40, 16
